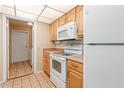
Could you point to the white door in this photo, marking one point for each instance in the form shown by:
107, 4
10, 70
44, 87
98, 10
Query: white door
20, 46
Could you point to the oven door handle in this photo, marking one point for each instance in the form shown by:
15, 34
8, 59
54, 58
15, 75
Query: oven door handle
55, 58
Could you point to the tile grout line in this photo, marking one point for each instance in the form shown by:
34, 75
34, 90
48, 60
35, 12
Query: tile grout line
21, 83
12, 83
24, 68
52, 82
45, 79
16, 69
30, 82
38, 80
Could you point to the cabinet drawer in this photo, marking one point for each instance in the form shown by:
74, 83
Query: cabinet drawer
75, 66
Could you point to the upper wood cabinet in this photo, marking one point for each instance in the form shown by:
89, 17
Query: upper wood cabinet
53, 30
79, 20
76, 15
70, 16
62, 21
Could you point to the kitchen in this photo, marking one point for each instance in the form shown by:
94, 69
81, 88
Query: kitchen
62, 56
88, 58
61, 65
59, 54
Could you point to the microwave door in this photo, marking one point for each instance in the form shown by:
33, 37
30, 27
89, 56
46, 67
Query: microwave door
62, 34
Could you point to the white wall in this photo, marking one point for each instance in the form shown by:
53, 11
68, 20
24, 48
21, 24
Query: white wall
42, 41
74, 43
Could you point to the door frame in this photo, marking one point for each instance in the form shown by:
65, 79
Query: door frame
6, 44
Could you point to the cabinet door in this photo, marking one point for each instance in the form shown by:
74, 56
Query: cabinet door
53, 31
62, 21
75, 79
48, 65
79, 20
70, 16
44, 62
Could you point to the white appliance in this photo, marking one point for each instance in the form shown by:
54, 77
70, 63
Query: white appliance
59, 67
67, 31
104, 46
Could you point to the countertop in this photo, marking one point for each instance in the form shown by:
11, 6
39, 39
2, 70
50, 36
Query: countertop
50, 50
77, 58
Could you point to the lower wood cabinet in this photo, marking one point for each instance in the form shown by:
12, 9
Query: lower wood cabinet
75, 79
75, 75
46, 63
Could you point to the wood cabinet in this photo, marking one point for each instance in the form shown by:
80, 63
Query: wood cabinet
62, 21
70, 16
46, 63
75, 79
75, 74
76, 14
53, 30
79, 20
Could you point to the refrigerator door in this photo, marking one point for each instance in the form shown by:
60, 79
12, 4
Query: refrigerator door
104, 24
104, 66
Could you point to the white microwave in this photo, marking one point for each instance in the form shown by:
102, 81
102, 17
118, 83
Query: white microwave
68, 31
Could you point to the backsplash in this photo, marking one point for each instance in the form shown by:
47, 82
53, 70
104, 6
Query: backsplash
70, 43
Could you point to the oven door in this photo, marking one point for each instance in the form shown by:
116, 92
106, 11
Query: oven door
58, 67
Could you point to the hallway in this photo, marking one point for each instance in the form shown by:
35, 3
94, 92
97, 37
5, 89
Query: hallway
37, 80
18, 69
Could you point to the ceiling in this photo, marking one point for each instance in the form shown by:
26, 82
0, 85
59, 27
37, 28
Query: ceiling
42, 13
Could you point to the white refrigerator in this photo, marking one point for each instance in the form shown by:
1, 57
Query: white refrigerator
104, 46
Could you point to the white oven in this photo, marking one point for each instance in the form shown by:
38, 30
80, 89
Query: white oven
58, 64
58, 71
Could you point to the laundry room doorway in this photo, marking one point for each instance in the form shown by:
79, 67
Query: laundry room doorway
20, 49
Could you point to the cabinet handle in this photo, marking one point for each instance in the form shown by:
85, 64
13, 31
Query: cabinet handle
74, 66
